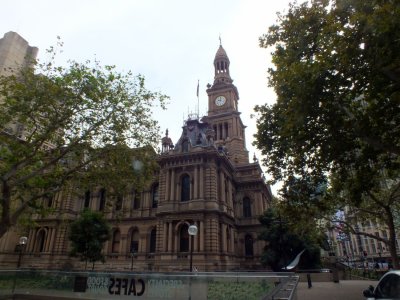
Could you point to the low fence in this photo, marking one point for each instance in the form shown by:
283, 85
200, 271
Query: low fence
22, 284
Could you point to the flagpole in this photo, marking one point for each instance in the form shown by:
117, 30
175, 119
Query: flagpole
198, 105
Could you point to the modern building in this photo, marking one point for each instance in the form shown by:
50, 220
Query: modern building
205, 179
360, 248
15, 53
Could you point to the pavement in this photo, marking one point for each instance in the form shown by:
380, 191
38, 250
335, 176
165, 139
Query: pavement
344, 290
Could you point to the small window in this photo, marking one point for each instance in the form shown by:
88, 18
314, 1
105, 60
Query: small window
115, 241
118, 203
134, 246
246, 207
248, 245
102, 199
41, 238
184, 238
136, 200
48, 201
153, 239
154, 196
185, 188
86, 204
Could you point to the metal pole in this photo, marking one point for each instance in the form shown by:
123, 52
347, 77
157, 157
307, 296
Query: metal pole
20, 256
191, 253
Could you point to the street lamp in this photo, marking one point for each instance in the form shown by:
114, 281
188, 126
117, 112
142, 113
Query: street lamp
22, 242
192, 230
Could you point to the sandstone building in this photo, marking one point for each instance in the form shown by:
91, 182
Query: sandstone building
205, 179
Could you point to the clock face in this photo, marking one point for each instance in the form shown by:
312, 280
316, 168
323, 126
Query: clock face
220, 100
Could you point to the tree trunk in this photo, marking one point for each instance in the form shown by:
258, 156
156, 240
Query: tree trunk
5, 222
392, 238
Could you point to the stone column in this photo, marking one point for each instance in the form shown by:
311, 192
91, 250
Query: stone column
52, 240
48, 238
176, 240
195, 184
196, 238
167, 186
170, 238
201, 230
258, 205
172, 196
230, 200
223, 238
165, 237
232, 241
31, 240
201, 182
142, 243
222, 186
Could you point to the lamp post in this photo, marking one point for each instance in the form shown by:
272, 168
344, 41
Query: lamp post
22, 242
192, 230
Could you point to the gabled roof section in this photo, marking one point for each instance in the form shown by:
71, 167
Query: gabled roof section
195, 134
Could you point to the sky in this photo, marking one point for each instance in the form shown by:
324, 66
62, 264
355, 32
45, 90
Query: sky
172, 43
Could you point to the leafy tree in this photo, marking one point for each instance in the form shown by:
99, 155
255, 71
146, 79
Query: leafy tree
88, 234
71, 126
337, 80
284, 243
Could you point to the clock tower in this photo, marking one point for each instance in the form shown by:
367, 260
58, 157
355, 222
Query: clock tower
223, 113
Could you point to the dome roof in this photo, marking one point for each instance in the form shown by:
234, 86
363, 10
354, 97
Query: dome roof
221, 53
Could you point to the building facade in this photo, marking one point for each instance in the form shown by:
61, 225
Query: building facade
205, 179
15, 53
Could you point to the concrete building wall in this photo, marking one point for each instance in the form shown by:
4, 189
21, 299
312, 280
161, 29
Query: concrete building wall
15, 52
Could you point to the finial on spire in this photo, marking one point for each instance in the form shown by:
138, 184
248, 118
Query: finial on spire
166, 133
220, 41
255, 158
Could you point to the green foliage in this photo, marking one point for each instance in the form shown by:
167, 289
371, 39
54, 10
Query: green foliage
337, 106
64, 126
284, 243
237, 290
88, 234
33, 280
335, 122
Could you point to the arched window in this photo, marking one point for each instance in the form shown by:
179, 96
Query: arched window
87, 199
246, 207
185, 188
41, 238
115, 241
134, 245
184, 238
154, 196
248, 245
153, 239
102, 199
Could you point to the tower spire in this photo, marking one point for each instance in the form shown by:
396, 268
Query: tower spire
221, 66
